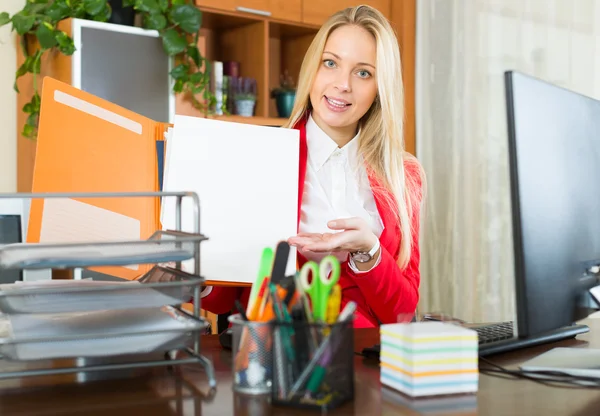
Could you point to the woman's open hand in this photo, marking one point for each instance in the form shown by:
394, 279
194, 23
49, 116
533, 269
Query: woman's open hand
354, 234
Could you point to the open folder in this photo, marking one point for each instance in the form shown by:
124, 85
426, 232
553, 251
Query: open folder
87, 144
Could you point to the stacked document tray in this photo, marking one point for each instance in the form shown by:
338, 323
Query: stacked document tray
125, 319
85, 318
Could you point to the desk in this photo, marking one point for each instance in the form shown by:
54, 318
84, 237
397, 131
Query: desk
157, 393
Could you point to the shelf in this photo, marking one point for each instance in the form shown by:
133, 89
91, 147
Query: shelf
259, 121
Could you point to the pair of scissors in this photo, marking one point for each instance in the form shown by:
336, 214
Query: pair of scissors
322, 283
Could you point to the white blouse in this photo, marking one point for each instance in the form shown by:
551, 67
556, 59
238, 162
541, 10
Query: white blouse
336, 186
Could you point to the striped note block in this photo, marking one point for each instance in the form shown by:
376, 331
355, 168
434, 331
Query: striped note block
429, 358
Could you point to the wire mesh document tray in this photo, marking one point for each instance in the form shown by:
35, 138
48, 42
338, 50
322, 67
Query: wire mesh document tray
87, 319
102, 250
99, 334
158, 287
84, 254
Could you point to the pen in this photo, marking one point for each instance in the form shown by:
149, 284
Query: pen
333, 305
264, 271
283, 317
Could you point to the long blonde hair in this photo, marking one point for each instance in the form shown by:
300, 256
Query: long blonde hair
381, 140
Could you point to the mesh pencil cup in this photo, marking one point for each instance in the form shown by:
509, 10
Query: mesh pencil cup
252, 360
313, 364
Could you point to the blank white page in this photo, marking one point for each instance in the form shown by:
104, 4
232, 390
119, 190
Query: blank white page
247, 179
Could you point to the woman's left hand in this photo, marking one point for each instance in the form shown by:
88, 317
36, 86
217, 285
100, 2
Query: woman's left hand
355, 235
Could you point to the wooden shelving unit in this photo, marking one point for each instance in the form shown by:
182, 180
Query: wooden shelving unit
264, 47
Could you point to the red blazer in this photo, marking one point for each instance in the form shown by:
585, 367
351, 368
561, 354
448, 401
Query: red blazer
381, 294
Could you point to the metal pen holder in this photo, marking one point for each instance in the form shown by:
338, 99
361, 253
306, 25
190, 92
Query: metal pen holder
313, 364
252, 356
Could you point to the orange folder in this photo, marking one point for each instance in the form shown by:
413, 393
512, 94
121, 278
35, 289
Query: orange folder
87, 144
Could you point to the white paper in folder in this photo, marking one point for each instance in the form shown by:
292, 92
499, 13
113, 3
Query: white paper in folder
246, 177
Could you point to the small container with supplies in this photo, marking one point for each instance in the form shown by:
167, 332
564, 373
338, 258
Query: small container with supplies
252, 360
304, 330
313, 363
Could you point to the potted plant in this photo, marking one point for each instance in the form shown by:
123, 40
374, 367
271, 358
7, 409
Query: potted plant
284, 95
178, 23
244, 95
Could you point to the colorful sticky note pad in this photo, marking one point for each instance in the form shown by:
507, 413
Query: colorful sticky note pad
429, 358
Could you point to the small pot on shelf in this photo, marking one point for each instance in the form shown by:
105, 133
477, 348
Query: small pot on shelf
244, 105
284, 101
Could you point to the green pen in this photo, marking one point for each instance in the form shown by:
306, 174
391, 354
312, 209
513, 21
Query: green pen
283, 316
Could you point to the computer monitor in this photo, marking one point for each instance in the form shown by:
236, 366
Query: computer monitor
554, 161
554, 150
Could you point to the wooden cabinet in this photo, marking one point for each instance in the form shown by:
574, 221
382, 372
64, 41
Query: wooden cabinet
316, 12
289, 10
218, 4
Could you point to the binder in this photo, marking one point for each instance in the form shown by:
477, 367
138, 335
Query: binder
87, 144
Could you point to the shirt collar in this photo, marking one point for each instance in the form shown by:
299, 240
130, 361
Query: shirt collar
321, 146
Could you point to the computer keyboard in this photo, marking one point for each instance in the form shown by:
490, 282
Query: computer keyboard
494, 332
486, 333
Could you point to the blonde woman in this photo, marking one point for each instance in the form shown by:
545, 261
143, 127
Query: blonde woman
359, 191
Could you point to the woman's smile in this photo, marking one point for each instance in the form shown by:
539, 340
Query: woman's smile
336, 105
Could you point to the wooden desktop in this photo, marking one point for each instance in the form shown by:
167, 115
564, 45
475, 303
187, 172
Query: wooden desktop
157, 393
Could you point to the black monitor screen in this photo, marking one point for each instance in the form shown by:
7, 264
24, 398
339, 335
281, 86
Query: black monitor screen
10, 232
554, 148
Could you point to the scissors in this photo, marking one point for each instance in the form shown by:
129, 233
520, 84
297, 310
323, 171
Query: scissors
321, 285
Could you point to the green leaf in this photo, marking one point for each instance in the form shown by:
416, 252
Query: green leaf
178, 87
58, 10
188, 17
28, 131
194, 53
180, 71
173, 42
45, 34
36, 102
33, 8
24, 68
155, 21
163, 4
94, 7
22, 23
28, 108
148, 6
65, 43
178, 2
197, 77
4, 18
128, 3
104, 15
32, 120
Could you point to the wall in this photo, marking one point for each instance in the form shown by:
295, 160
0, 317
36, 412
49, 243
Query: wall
8, 99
